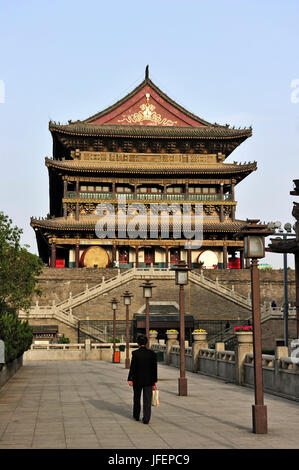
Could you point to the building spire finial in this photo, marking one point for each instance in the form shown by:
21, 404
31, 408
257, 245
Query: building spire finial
146, 72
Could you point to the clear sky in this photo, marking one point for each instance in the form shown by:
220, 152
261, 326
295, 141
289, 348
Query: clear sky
227, 61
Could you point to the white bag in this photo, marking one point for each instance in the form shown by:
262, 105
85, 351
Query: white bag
155, 398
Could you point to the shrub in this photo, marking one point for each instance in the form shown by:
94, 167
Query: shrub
17, 335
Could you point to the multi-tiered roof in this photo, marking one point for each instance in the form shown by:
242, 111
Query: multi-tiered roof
144, 135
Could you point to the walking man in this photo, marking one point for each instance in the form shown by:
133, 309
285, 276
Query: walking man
143, 377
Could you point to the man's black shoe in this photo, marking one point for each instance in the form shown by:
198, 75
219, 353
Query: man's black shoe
145, 422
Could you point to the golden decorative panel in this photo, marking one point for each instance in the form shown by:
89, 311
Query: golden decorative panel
147, 113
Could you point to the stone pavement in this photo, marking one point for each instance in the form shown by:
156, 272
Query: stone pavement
83, 405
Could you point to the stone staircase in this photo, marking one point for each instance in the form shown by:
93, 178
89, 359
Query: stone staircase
62, 311
216, 288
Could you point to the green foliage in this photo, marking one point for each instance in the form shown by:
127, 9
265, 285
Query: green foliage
18, 269
63, 340
16, 335
117, 340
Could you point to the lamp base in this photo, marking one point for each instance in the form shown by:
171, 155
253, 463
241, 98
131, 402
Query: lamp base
127, 363
259, 419
182, 386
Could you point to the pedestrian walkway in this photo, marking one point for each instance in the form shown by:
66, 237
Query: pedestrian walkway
83, 405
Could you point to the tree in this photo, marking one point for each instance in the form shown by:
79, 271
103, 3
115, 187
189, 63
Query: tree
19, 269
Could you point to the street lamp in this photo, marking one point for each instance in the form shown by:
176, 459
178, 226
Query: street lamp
114, 303
181, 279
285, 235
147, 294
127, 301
254, 247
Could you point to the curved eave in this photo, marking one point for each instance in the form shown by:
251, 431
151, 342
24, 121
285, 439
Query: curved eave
241, 170
60, 224
150, 132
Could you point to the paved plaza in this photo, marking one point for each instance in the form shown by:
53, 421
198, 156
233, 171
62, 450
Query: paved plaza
84, 405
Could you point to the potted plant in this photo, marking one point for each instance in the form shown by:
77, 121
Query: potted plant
153, 334
199, 334
244, 333
172, 334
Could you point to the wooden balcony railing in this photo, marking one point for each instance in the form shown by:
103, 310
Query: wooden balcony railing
151, 196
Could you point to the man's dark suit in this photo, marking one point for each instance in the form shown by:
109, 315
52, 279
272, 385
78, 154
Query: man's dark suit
143, 374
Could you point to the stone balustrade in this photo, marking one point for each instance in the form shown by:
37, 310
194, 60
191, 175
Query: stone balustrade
280, 372
75, 352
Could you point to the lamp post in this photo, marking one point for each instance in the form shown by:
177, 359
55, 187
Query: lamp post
127, 301
254, 248
285, 235
181, 279
114, 303
147, 294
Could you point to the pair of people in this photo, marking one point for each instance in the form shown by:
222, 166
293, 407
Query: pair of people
143, 378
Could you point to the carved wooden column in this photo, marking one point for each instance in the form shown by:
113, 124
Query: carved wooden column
232, 192
77, 203
166, 256
242, 259
53, 255
221, 205
64, 188
187, 191
64, 195
77, 255
189, 258
225, 263
114, 252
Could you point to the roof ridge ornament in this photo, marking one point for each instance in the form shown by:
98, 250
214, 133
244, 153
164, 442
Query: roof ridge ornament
147, 72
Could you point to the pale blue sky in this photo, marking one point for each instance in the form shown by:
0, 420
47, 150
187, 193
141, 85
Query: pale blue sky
228, 61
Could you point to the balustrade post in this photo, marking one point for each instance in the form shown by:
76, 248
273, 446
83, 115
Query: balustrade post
280, 351
218, 347
171, 341
244, 347
87, 349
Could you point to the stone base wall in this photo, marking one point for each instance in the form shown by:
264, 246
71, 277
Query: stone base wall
9, 369
56, 284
